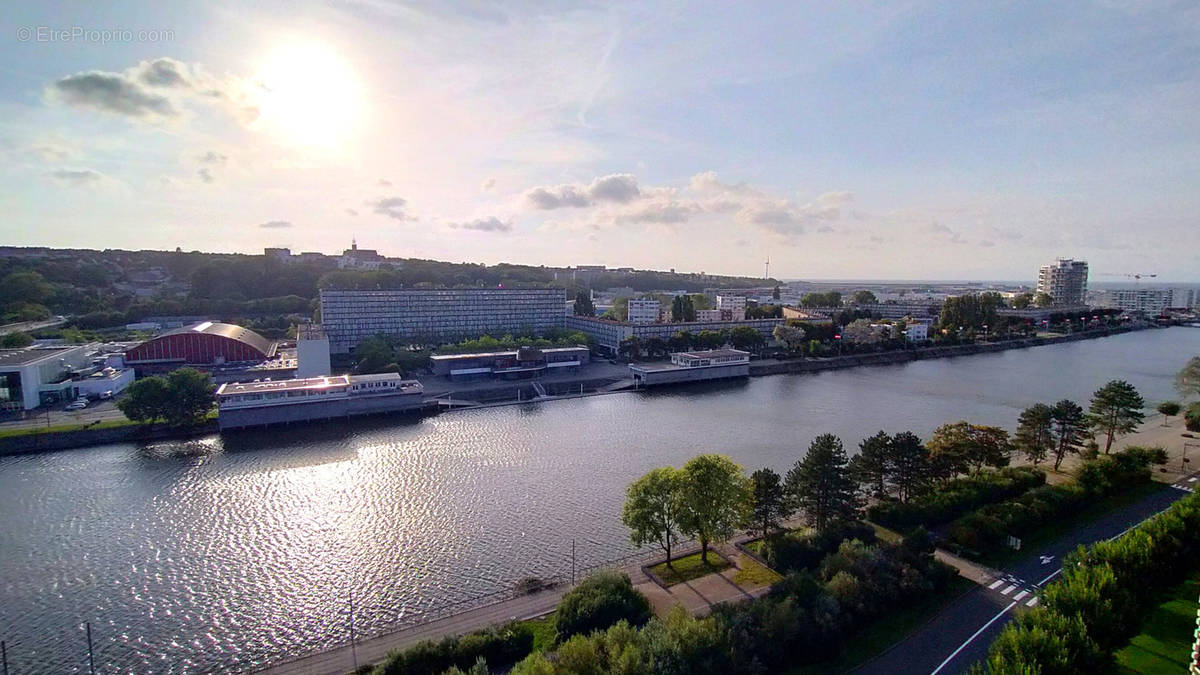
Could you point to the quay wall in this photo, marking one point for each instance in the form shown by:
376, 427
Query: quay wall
83, 438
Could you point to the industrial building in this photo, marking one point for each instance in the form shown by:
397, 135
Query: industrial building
526, 362
203, 345
609, 334
1065, 281
44, 375
262, 403
438, 316
698, 366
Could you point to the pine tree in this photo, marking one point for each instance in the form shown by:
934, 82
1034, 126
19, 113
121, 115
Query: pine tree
1068, 429
820, 484
768, 505
909, 464
869, 468
1116, 409
1035, 432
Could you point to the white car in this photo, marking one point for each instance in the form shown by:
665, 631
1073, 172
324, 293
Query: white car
77, 405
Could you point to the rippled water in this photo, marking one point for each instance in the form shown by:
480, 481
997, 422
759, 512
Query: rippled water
227, 553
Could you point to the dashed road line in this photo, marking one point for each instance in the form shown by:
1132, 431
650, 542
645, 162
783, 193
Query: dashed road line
1018, 596
1008, 590
996, 584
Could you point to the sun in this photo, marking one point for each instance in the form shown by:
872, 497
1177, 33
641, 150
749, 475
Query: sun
309, 96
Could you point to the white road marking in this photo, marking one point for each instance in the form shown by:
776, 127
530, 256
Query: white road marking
1018, 596
996, 584
1052, 575
1032, 601
972, 639
1192, 479
1008, 590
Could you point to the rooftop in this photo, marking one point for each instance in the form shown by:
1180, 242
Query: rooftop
507, 352
24, 357
231, 331
331, 382
715, 353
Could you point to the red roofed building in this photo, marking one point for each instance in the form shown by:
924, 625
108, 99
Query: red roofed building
203, 345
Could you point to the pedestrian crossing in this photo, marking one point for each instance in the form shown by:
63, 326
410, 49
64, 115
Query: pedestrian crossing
1015, 589
1185, 488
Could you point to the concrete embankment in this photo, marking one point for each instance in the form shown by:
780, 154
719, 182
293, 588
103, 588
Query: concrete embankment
82, 438
781, 367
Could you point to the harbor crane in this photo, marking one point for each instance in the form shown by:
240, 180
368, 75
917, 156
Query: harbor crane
1136, 277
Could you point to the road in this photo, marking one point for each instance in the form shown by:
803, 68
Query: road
28, 326
959, 636
55, 415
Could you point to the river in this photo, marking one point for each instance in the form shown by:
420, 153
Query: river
224, 554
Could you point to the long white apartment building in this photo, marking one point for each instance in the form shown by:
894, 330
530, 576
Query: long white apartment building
437, 315
1148, 301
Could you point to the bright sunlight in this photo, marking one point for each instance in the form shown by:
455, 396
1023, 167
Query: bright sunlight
309, 96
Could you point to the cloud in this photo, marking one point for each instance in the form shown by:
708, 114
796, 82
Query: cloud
50, 152
275, 224
76, 176
666, 213
490, 224
619, 188
205, 175
352, 212
557, 197
211, 157
488, 185
383, 182
987, 244
113, 93
165, 72
392, 207
944, 233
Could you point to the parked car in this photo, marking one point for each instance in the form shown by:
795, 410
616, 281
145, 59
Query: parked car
77, 405
104, 396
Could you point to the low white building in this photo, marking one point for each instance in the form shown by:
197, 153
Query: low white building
916, 332
31, 377
708, 315
1148, 301
735, 305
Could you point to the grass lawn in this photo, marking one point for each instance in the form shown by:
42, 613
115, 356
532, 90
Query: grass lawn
755, 575
63, 428
1058, 528
887, 631
688, 568
886, 535
1165, 643
543, 632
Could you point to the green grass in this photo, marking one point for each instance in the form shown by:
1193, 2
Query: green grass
754, 574
886, 535
1165, 643
689, 567
544, 632
893, 627
63, 428
1058, 528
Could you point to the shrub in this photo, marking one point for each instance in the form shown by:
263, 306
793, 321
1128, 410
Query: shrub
955, 497
800, 550
598, 602
499, 646
1191, 418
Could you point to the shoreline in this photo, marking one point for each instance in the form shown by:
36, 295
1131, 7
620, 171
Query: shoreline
510, 394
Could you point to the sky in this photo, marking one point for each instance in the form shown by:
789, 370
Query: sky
952, 140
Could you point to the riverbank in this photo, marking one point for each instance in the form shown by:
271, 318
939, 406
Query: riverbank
88, 435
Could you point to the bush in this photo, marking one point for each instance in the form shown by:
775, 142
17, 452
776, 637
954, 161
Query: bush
955, 497
598, 602
987, 529
499, 646
1191, 418
800, 550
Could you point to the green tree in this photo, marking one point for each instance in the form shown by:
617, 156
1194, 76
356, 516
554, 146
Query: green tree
24, 287
146, 400
16, 340
820, 484
1169, 409
908, 460
1022, 301
1043, 300
681, 341
768, 505
791, 336
630, 348
775, 293
1035, 432
682, 308
1187, 381
710, 339
1116, 408
583, 304
620, 308
714, 499
969, 311
1069, 423
651, 511
191, 396
961, 446
864, 297
746, 338
871, 468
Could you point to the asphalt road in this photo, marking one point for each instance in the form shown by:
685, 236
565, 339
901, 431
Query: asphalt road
959, 636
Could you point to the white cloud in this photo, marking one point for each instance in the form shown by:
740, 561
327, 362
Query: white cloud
392, 207
490, 224
76, 176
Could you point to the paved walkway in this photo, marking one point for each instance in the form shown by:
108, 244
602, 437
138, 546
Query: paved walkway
698, 596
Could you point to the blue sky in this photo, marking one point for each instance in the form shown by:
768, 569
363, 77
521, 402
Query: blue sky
842, 140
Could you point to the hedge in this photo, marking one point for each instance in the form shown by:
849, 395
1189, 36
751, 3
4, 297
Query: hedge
953, 498
988, 528
598, 602
1099, 603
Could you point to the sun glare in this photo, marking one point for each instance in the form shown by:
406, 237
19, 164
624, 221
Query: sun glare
309, 96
